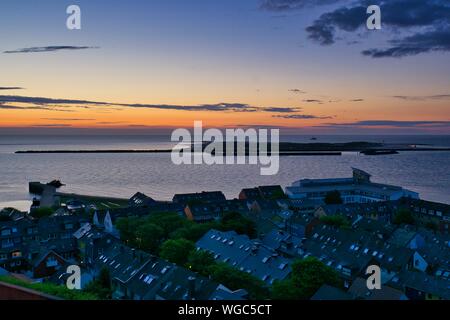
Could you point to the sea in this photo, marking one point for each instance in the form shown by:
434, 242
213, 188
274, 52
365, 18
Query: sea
121, 175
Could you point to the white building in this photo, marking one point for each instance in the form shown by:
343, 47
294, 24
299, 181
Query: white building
357, 189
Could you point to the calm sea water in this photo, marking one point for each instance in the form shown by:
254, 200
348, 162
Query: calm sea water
121, 175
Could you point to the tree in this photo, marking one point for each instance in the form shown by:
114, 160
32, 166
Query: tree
42, 212
127, 228
237, 222
101, 287
149, 237
335, 220
177, 251
333, 197
193, 231
235, 279
168, 221
307, 276
200, 261
403, 216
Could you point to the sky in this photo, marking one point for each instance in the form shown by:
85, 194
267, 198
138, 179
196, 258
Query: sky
306, 66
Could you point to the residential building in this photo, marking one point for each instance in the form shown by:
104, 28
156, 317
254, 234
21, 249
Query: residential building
357, 189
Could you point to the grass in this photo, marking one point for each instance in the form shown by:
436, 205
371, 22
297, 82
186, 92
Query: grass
50, 289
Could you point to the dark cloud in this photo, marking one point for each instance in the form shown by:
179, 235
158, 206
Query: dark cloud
301, 116
357, 100
287, 5
438, 40
48, 49
11, 88
298, 91
281, 109
49, 104
393, 123
313, 101
424, 98
426, 23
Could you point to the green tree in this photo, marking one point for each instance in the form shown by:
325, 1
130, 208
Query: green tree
127, 228
200, 261
307, 276
42, 212
149, 237
193, 231
333, 197
101, 287
403, 216
177, 251
235, 279
234, 221
335, 220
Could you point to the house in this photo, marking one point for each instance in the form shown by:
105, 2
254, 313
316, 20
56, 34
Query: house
136, 275
357, 189
350, 252
205, 212
22, 241
246, 255
205, 196
360, 291
263, 192
141, 200
327, 292
421, 286
47, 264
283, 242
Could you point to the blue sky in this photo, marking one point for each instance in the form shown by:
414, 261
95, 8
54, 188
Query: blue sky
253, 52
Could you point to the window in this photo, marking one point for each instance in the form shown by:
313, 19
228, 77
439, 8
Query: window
6, 232
3, 256
17, 254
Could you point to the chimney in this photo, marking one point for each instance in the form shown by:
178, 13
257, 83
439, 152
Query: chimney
191, 288
133, 251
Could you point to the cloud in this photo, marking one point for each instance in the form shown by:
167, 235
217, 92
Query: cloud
392, 123
281, 109
51, 125
288, 5
50, 103
424, 98
438, 40
48, 49
301, 116
298, 91
313, 101
11, 88
420, 26
357, 100
67, 119
3, 105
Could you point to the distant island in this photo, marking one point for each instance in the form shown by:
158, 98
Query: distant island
285, 149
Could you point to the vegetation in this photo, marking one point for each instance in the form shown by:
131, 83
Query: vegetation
335, 220
403, 216
101, 287
333, 197
51, 289
148, 233
235, 279
42, 212
177, 251
307, 276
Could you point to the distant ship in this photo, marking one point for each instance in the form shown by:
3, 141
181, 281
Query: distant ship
314, 138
